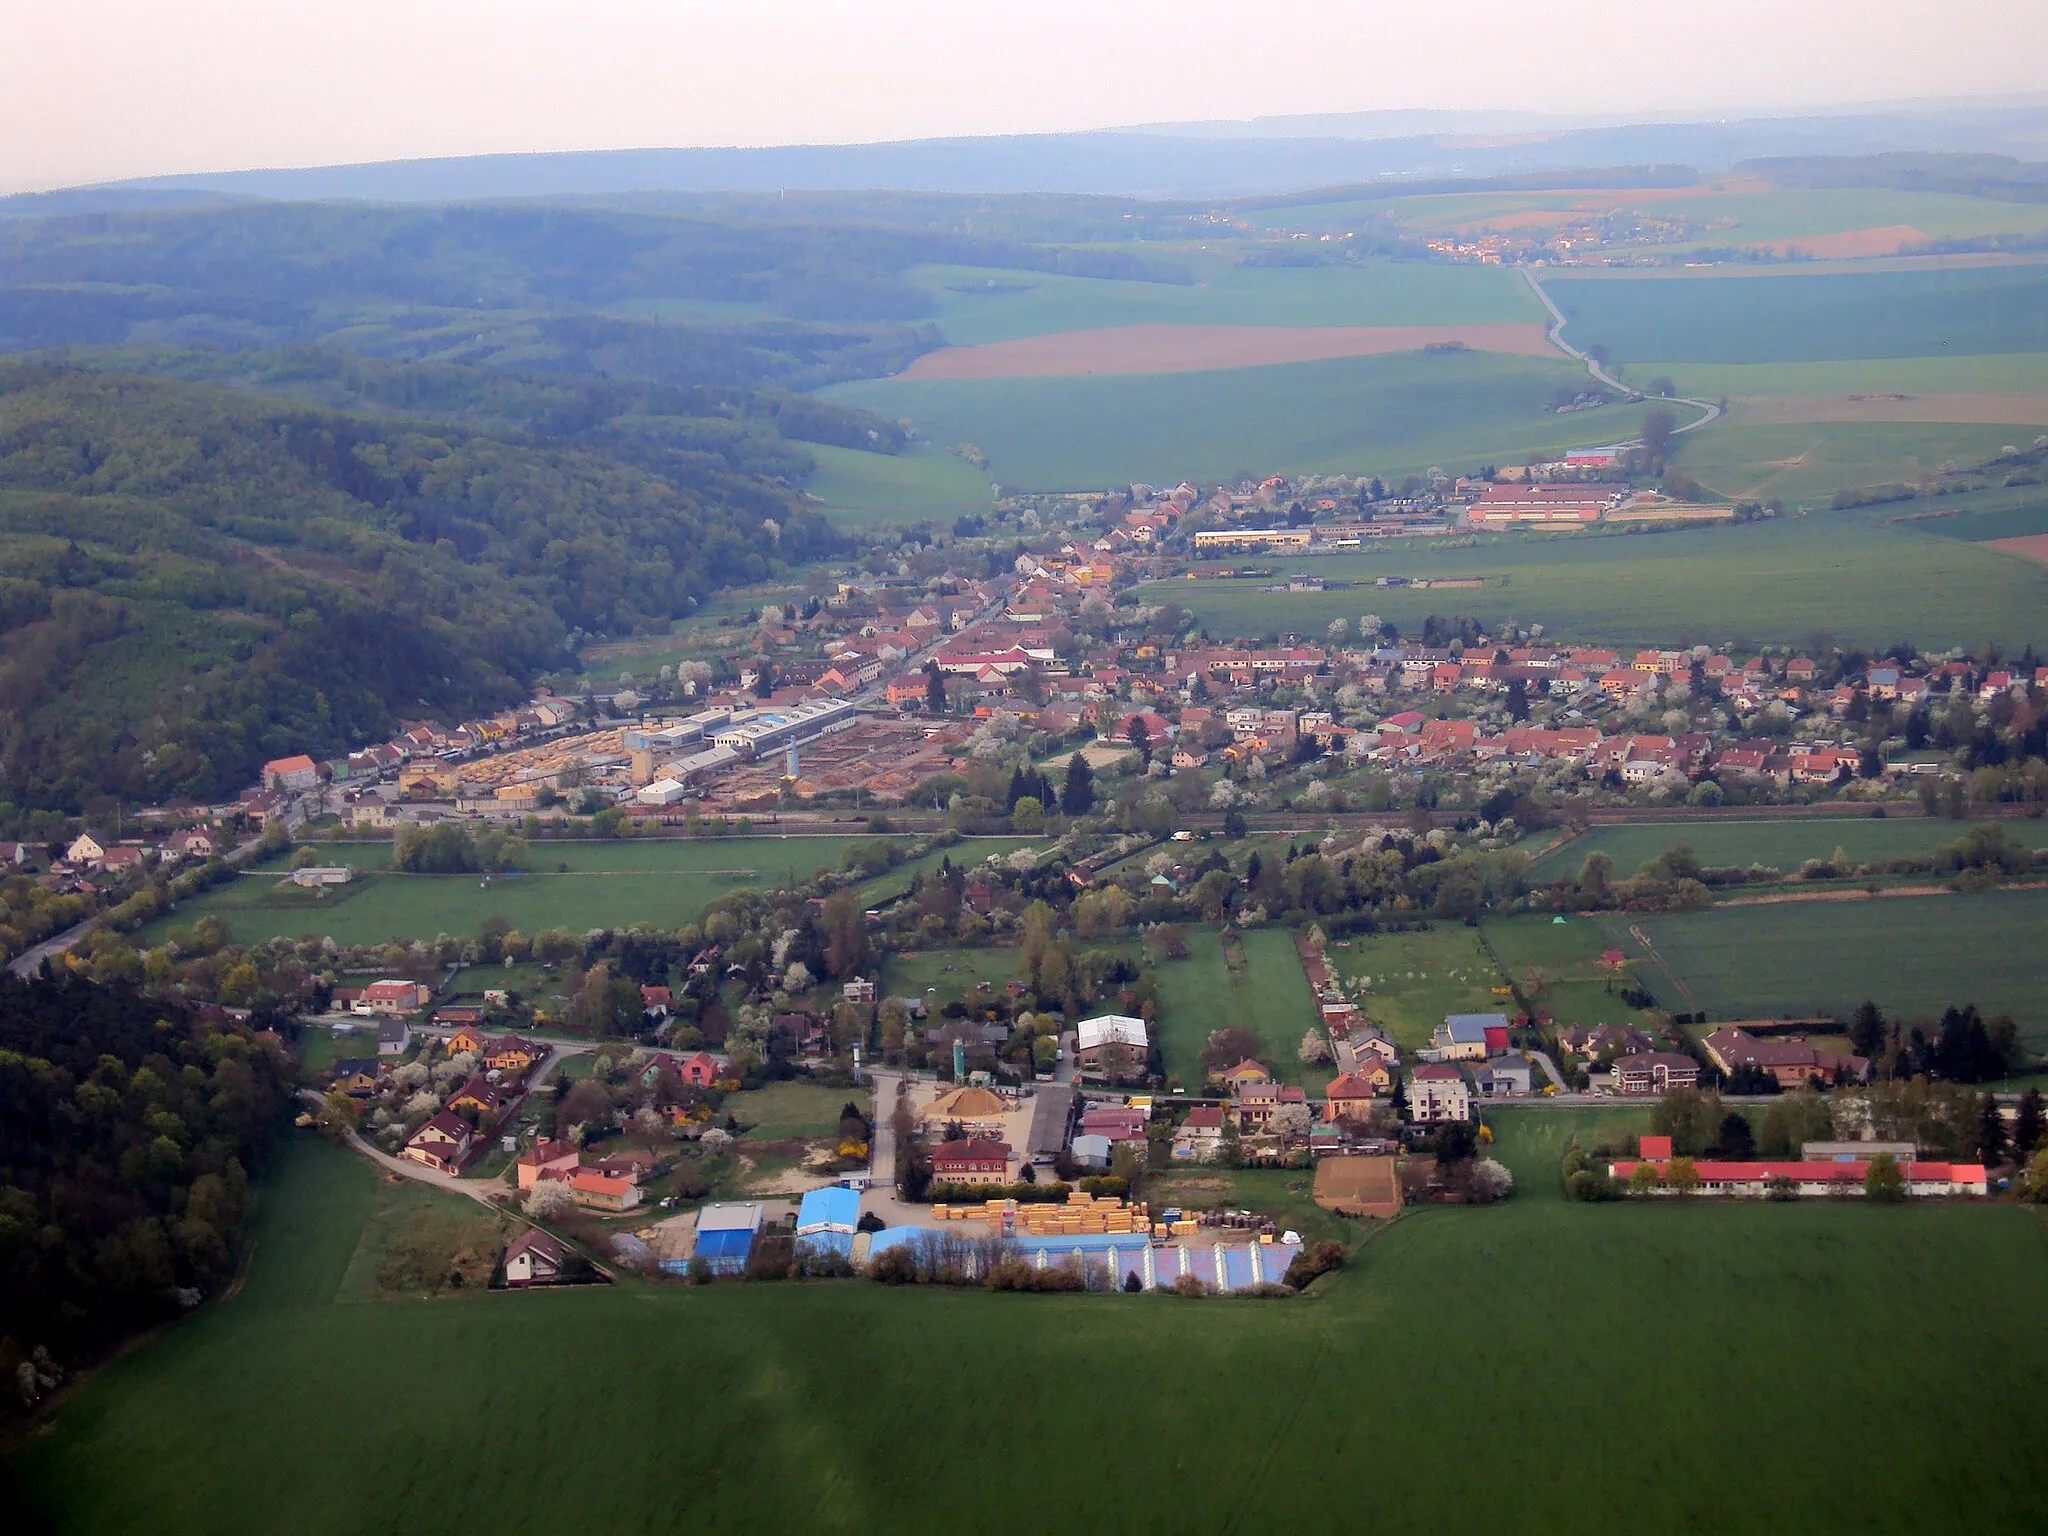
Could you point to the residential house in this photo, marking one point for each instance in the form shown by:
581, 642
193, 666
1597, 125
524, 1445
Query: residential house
396, 997
509, 1053
535, 1257
1242, 1075
441, 1144
394, 1037
1258, 1102
1470, 1036
601, 1191
859, 991
489, 1099
1199, 1138
1350, 1097
1438, 1093
355, 1076
701, 1070
546, 1160
1504, 1077
1653, 1072
291, 774
467, 1039
87, 850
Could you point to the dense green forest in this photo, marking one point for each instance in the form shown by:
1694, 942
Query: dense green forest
128, 1134
194, 578
736, 301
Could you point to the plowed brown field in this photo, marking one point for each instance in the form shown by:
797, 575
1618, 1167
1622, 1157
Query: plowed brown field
1199, 348
2033, 545
1886, 241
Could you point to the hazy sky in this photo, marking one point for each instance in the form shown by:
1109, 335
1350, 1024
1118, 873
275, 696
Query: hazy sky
100, 89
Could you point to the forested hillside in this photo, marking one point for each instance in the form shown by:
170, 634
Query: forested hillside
734, 301
129, 1132
195, 578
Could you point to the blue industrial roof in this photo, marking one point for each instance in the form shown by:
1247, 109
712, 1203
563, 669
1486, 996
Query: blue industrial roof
840, 1243
725, 1244
832, 1208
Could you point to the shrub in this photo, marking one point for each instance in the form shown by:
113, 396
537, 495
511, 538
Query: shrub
1591, 1184
1312, 1262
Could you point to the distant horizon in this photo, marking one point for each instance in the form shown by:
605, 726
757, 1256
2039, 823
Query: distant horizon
116, 92
1512, 125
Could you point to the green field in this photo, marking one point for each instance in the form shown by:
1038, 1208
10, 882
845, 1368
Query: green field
300, 1406
1811, 317
1807, 462
1385, 415
966, 854
1735, 218
1776, 582
791, 1111
1558, 968
1995, 373
1782, 844
664, 882
1413, 979
978, 305
1269, 997
1913, 955
864, 490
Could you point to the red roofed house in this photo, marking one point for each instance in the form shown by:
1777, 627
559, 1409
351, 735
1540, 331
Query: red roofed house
600, 1192
700, 1070
290, 773
441, 1144
1349, 1097
546, 1159
1438, 1093
1200, 1136
972, 1161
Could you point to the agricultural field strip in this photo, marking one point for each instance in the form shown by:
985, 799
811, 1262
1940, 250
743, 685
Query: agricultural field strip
204, 1427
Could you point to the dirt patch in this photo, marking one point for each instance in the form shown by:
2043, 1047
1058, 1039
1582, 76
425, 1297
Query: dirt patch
1780, 898
1358, 1186
1960, 409
2033, 545
1885, 240
1127, 349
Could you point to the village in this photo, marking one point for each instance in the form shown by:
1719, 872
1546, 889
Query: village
955, 1173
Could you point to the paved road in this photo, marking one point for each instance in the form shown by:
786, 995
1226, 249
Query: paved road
31, 961
882, 1154
1710, 408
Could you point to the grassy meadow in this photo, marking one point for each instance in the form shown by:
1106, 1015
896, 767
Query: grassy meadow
1782, 844
665, 882
300, 1404
1994, 373
1386, 415
1912, 955
976, 305
1805, 463
1413, 979
1766, 583
1270, 997
1558, 968
871, 490
1774, 582
1809, 317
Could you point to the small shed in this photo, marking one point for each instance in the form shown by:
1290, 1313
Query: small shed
1092, 1151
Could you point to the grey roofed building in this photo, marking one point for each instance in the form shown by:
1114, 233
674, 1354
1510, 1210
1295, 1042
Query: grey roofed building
1092, 1151
1504, 1075
1052, 1115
